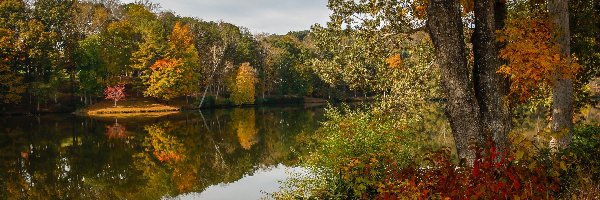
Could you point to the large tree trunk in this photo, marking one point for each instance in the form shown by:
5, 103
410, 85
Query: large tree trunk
562, 90
489, 86
445, 28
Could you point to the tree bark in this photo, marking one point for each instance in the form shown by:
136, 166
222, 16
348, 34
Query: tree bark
562, 89
445, 28
490, 89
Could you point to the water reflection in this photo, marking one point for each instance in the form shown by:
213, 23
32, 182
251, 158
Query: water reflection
68, 157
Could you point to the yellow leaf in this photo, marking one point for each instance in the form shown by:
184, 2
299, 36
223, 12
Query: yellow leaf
519, 154
532, 165
516, 197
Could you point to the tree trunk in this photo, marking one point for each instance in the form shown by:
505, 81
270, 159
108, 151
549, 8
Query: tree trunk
445, 28
562, 90
489, 85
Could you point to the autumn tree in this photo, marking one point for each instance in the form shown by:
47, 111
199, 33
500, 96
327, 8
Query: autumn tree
11, 83
181, 47
245, 85
115, 93
152, 42
538, 59
175, 75
169, 79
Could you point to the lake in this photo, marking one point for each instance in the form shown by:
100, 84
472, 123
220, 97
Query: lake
217, 154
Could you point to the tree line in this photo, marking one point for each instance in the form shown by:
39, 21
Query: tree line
69, 51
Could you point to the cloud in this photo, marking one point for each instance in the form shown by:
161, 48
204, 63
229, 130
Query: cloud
270, 16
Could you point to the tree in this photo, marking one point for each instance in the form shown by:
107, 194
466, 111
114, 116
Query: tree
11, 86
245, 85
375, 30
117, 47
562, 88
538, 61
182, 48
169, 79
11, 83
91, 71
445, 28
175, 75
491, 89
115, 93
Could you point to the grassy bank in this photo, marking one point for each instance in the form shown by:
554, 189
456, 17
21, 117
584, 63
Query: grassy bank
135, 107
130, 107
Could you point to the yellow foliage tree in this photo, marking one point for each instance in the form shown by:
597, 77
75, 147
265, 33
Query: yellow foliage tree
245, 85
169, 79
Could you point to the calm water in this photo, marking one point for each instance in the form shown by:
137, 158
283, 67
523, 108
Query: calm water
219, 154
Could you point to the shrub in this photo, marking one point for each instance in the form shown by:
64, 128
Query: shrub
364, 154
580, 172
356, 148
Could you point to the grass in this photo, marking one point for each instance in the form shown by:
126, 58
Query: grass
129, 108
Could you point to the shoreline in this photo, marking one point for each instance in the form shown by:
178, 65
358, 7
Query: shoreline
135, 107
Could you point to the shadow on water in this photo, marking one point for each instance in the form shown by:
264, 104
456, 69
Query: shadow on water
69, 157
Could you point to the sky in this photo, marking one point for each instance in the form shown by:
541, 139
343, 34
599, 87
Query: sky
259, 16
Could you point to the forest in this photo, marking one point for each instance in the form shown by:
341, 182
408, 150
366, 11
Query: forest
63, 55
513, 84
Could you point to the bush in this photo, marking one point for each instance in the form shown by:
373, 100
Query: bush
355, 148
365, 154
580, 176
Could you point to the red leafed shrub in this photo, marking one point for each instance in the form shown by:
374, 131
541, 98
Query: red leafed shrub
115, 93
493, 176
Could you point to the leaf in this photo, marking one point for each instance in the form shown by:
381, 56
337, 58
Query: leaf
519, 154
532, 165
563, 165
516, 197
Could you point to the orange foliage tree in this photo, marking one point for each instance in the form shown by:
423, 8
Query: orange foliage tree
532, 55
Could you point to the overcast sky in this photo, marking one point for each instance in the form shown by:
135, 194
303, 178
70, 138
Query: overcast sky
270, 16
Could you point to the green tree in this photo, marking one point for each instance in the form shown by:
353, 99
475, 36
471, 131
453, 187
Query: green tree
92, 72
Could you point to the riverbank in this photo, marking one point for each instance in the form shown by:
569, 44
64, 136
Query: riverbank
141, 106
149, 107
129, 107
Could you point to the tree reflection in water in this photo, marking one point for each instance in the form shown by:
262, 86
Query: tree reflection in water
66, 157
116, 131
